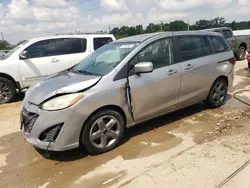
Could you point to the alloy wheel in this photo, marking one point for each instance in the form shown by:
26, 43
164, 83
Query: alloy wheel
5, 92
219, 93
242, 52
105, 131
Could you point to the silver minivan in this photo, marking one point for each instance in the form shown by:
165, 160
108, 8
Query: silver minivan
123, 83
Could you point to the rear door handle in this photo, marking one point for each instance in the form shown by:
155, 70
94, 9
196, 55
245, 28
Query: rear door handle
188, 66
54, 60
171, 72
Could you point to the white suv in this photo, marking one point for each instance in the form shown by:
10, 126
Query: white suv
38, 58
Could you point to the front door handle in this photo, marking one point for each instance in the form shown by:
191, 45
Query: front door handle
171, 72
188, 66
54, 60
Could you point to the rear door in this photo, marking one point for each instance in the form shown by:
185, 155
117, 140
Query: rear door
194, 56
71, 51
156, 92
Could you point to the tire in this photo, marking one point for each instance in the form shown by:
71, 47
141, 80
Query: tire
217, 96
97, 126
7, 90
241, 53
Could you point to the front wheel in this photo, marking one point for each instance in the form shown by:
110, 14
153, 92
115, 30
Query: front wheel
7, 90
103, 132
218, 94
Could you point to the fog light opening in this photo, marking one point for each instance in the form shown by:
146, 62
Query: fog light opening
50, 134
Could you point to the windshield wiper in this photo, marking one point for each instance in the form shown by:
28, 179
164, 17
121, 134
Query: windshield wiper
87, 73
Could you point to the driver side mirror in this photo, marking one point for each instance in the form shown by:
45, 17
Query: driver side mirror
143, 67
23, 55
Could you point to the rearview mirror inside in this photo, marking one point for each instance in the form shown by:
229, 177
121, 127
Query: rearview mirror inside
23, 55
143, 67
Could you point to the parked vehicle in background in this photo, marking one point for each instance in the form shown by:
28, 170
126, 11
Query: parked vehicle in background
126, 82
39, 58
239, 44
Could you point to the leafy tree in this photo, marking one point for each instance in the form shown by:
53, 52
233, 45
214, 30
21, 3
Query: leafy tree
177, 25
4, 45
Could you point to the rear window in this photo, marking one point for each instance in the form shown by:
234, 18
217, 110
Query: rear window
227, 33
100, 41
192, 47
219, 44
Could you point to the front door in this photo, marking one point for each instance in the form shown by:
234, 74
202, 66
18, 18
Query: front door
157, 92
41, 61
50, 56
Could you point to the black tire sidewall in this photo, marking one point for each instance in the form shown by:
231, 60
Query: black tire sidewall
209, 101
85, 140
12, 89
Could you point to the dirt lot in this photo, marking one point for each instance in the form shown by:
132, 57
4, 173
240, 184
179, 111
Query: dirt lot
194, 147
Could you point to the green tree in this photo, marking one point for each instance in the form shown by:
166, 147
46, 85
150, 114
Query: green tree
4, 45
177, 25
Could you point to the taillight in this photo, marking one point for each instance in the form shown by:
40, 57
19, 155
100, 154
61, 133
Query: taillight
233, 61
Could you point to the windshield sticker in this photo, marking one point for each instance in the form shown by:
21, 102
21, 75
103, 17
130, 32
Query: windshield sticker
128, 46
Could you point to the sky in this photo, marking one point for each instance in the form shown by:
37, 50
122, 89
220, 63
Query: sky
25, 19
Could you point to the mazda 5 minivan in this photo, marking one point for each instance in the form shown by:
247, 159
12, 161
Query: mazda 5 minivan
123, 83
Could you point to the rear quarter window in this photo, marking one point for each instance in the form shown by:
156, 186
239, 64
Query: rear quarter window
219, 44
227, 33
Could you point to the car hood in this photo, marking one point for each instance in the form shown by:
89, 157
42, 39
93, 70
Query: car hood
61, 83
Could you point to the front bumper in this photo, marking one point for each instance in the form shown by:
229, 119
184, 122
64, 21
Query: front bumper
69, 135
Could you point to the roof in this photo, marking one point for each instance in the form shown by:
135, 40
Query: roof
71, 36
198, 32
139, 38
143, 37
216, 28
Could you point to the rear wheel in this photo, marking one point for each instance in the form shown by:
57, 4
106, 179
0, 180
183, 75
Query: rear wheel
103, 132
7, 90
241, 53
217, 95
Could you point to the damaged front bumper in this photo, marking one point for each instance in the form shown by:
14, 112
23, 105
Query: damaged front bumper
51, 130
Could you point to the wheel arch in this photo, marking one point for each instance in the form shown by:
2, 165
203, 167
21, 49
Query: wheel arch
106, 107
4, 75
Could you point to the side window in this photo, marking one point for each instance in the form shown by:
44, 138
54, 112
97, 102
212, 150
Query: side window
43, 48
160, 53
192, 47
219, 44
227, 33
100, 41
71, 46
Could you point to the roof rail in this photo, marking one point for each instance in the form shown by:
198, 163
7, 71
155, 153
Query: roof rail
82, 33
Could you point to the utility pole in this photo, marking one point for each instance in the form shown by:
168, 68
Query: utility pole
2, 36
161, 26
188, 24
109, 29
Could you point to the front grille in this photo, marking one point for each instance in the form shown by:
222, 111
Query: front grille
27, 120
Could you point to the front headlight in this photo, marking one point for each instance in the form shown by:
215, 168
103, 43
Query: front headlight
62, 102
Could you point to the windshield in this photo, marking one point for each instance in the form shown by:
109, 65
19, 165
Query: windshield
105, 59
13, 50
